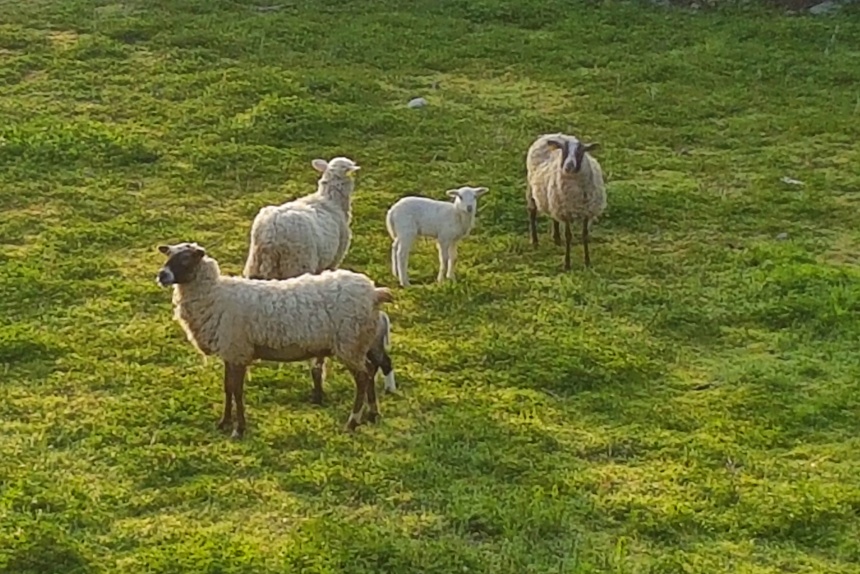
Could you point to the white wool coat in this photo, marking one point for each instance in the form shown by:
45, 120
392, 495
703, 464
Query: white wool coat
307, 235
239, 319
565, 199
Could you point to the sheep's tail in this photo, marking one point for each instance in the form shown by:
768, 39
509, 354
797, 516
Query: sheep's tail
383, 295
385, 327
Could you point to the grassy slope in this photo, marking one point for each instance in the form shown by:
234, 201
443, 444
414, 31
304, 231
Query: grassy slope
690, 406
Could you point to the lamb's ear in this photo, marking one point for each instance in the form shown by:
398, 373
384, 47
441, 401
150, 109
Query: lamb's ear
165, 249
199, 252
590, 146
479, 191
319, 164
453, 193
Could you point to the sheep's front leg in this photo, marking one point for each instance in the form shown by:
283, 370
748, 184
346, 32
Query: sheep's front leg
237, 382
585, 242
443, 261
452, 259
318, 374
532, 210
227, 415
556, 232
568, 238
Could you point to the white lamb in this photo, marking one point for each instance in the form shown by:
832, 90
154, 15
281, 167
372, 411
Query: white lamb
447, 222
306, 235
566, 182
336, 313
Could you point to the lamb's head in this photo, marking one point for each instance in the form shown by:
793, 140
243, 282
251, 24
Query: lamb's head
339, 166
466, 198
183, 260
572, 152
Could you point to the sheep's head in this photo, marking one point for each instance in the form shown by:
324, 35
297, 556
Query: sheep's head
182, 262
572, 152
466, 198
339, 166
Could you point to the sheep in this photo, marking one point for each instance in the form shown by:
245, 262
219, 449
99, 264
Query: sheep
309, 235
567, 185
306, 235
334, 313
448, 222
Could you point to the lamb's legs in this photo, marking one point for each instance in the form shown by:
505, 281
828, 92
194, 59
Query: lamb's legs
227, 416
452, 259
556, 232
388, 371
394, 271
443, 261
236, 373
360, 376
370, 391
568, 237
585, 241
318, 374
403, 247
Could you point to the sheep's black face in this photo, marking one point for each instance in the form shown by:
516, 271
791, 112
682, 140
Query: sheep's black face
182, 261
572, 154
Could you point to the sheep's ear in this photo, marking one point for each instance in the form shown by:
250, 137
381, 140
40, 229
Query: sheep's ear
165, 249
453, 193
319, 164
591, 146
199, 252
479, 191
554, 144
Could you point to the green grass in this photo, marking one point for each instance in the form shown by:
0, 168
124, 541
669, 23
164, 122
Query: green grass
689, 405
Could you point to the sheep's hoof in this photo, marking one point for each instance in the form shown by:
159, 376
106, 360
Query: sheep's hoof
223, 424
372, 417
352, 423
237, 434
317, 398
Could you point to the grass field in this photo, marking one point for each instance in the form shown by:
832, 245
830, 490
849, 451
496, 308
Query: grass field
691, 404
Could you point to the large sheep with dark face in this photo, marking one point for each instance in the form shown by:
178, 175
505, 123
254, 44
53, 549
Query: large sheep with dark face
565, 182
335, 313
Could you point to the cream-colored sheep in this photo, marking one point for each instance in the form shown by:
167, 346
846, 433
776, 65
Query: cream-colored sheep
565, 182
336, 313
306, 235
309, 235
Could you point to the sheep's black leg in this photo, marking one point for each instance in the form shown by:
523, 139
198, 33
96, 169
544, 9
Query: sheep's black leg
585, 241
317, 373
227, 416
237, 375
533, 225
556, 232
370, 392
360, 376
568, 237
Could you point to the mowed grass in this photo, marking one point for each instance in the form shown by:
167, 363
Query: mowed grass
688, 405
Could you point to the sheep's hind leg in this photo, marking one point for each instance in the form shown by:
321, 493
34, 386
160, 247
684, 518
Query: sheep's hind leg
370, 392
317, 374
403, 248
394, 269
568, 238
237, 382
585, 242
532, 209
556, 232
227, 415
360, 375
